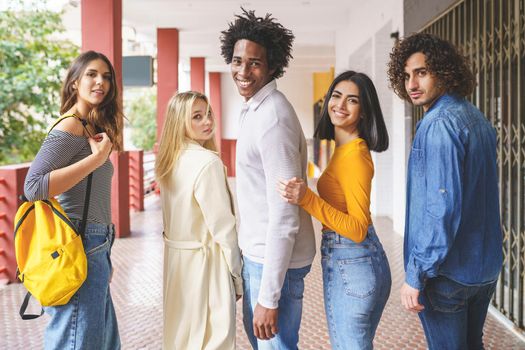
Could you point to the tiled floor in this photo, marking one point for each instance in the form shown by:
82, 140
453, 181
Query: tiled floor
137, 284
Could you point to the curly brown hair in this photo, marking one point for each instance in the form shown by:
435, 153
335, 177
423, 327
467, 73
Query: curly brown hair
276, 39
443, 60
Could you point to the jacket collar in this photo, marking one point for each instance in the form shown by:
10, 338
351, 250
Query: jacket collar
195, 146
443, 100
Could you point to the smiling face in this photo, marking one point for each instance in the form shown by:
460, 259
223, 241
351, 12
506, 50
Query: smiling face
344, 108
421, 85
201, 122
93, 85
249, 68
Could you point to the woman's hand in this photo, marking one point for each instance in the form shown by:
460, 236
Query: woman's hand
293, 190
61, 180
101, 147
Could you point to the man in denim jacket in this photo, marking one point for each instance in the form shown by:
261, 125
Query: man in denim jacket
453, 237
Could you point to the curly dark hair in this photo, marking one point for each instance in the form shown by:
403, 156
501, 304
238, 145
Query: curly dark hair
442, 58
276, 39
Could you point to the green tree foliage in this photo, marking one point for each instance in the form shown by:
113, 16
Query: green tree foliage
32, 63
141, 111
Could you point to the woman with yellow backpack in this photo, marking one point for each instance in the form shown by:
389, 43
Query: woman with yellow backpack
79, 145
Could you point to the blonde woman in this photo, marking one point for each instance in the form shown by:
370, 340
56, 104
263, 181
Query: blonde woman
202, 261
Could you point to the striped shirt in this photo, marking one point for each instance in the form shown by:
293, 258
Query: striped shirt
59, 150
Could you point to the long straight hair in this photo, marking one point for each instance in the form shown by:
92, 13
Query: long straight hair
371, 126
106, 116
176, 132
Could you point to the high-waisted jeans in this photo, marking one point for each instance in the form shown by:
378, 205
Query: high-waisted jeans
88, 320
357, 282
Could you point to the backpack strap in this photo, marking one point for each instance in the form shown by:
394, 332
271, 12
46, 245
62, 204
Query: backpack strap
82, 229
72, 115
23, 309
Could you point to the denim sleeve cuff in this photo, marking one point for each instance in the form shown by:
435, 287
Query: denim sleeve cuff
413, 278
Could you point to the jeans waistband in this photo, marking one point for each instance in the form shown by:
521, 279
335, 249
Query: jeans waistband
94, 228
371, 237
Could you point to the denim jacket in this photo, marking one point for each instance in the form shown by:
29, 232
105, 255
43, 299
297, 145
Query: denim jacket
452, 217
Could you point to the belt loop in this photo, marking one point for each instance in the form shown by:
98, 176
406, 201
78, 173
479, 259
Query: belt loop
371, 232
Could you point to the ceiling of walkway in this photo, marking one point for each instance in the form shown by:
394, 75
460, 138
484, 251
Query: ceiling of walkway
200, 22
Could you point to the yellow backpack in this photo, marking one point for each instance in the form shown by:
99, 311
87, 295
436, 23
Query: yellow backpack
49, 252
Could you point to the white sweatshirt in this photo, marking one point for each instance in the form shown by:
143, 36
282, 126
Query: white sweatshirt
271, 146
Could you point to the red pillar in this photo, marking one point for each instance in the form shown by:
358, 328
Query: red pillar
11, 187
102, 31
120, 193
228, 149
167, 71
215, 100
136, 180
197, 74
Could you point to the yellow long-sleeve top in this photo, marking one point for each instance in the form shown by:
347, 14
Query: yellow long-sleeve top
343, 204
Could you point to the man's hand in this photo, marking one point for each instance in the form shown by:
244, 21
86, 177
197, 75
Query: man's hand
409, 298
265, 322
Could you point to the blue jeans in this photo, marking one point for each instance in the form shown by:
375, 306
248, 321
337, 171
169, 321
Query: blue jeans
290, 306
88, 320
454, 314
356, 283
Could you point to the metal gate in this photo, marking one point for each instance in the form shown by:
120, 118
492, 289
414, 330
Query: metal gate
491, 33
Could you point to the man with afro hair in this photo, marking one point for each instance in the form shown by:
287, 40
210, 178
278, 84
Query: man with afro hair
276, 237
453, 237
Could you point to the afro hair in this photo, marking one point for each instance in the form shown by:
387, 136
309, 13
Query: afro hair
266, 32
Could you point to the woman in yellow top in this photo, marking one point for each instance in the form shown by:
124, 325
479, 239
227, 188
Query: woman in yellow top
356, 274
202, 261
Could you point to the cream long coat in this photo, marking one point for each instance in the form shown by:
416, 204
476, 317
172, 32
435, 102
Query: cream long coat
202, 261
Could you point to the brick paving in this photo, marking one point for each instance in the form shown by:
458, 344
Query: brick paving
137, 286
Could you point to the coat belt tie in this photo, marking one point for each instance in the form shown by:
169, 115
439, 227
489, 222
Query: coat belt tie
185, 245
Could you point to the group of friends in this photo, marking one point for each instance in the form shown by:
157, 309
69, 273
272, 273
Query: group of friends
452, 241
